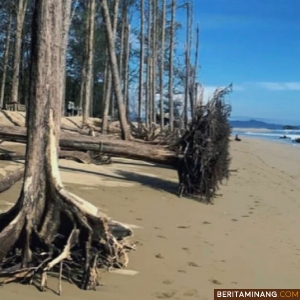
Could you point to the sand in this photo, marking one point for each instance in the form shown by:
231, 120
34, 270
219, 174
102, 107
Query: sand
248, 239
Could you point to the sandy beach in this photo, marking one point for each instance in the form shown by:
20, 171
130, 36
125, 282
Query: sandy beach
248, 239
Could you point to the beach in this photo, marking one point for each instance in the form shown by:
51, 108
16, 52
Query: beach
186, 249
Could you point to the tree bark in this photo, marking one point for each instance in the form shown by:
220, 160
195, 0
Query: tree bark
115, 73
108, 83
65, 37
89, 57
195, 87
11, 179
33, 226
162, 65
126, 68
22, 4
148, 71
142, 57
154, 60
5, 61
171, 69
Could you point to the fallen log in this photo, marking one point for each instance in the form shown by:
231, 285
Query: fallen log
78, 156
200, 154
132, 150
11, 179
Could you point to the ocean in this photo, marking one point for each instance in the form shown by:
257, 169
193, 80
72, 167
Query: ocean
270, 135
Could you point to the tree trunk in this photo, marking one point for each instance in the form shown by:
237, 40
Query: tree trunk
195, 87
66, 6
162, 65
154, 60
106, 98
148, 72
126, 67
46, 218
187, 65
89, 57
141, 69
115, 73
122, 38
171, 69
126, 149
5, 61
108, 76
22, 4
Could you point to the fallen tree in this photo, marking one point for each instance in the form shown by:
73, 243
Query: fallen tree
7, 181
79, 156
200, 155
99, 144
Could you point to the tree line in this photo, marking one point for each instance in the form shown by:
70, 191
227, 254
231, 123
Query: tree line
119, 60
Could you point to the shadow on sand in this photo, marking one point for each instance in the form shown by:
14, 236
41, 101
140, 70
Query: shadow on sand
148, 181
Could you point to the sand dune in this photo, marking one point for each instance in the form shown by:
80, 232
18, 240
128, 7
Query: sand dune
248, 239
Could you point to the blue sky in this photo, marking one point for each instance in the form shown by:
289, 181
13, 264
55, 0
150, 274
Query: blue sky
256, 46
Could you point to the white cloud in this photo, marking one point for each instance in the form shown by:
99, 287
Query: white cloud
280, 86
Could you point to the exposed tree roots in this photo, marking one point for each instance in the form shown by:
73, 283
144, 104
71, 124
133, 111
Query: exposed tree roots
204, 149
70, 238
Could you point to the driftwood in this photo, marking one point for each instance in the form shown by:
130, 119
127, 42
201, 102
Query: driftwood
78, 156
11, 179
101, 144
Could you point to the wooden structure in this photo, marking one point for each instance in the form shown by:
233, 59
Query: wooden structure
15, 106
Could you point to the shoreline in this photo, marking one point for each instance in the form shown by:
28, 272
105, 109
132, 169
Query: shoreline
185, 249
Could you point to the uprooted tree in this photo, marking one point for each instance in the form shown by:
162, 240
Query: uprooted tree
49, 228
200, 156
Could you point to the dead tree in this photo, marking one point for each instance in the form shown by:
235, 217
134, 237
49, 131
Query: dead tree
5, 60
65, 34
171, 69
162, 64
108, 76
22, 4
115, 72
142, 54
87, 80
50, 228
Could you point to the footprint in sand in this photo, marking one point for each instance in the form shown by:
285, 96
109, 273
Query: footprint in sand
166, 295
215, 281
168, 282
161, 237
192, 264
191, 293
183, 227
181, 271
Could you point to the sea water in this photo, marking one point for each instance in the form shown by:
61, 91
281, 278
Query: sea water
273, 135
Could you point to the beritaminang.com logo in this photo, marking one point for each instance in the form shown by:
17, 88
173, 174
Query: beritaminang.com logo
245, 294
259, 293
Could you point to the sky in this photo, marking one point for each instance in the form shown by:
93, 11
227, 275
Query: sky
254, 44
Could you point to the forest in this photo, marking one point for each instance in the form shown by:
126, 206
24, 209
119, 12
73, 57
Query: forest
115, 65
